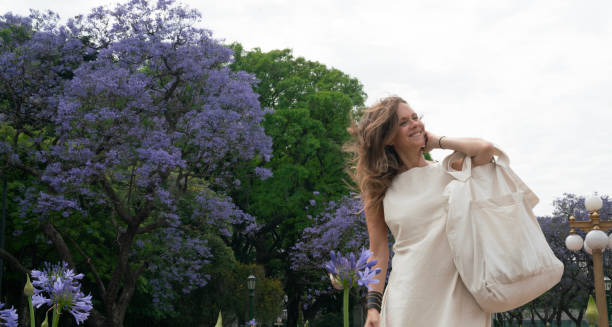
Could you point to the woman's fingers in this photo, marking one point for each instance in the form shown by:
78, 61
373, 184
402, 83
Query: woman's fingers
431, 141
457, 164
373, 319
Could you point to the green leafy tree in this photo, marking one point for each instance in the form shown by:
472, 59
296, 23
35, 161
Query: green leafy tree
311, 105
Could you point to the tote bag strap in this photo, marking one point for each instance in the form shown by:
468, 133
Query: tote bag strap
502, 160
466, 171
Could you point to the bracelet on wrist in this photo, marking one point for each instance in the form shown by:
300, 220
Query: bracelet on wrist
374, 300
373, 306
440, 142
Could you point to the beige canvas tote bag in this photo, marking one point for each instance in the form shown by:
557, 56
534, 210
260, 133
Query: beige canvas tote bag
498, 247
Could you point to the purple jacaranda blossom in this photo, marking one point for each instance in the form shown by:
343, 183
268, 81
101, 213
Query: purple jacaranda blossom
177, 258
252, 323
340, 227
263, 173
137, 112
58, 285
8, 317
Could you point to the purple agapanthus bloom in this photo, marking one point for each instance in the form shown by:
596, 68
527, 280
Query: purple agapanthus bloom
59, 285
366, 277
349, 271
8, 317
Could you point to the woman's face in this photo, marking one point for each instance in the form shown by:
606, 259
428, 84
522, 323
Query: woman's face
410, 136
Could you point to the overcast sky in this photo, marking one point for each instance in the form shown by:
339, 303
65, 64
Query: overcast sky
533, 77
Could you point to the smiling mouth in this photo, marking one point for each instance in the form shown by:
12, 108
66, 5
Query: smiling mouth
419, 133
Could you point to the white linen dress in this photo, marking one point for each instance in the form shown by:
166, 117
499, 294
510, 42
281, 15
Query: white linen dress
424, 287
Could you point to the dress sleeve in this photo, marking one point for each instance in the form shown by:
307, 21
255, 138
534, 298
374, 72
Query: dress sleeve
448, 161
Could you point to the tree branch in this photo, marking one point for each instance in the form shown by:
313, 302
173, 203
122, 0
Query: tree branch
91, 266
60, 245
27, 169
13, 262
143, 213
129, 196
119, 208
151, 227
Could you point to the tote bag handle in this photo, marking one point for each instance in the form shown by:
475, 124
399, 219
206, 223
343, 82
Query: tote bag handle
466, 170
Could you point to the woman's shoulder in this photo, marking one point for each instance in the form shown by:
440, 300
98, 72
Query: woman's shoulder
411, 181
417, 170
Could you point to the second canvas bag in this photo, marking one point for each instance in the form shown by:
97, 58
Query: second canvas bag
498, 247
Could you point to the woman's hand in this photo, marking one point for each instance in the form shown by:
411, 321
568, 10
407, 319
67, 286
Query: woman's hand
431, 141
479, 150
373, 318
457, 164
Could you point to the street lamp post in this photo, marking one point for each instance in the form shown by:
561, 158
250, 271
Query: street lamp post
251, 285
608, 285
596, 241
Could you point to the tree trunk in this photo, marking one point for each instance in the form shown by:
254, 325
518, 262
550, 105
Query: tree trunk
293, 307
121, 287
95, 319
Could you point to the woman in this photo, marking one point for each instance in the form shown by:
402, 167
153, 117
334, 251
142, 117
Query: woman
404, 193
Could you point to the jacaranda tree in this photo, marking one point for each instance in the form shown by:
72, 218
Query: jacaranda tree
340, 227
131, 114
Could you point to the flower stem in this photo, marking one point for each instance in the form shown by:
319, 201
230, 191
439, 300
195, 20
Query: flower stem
32, 318
346, 307
56, 315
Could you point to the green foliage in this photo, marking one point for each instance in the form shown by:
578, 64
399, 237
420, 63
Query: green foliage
226, 292
13, 35
312, 105
312, 108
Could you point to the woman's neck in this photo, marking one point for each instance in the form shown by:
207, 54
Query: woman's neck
412, 159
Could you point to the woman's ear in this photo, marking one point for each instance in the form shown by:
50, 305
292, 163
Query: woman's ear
389, 143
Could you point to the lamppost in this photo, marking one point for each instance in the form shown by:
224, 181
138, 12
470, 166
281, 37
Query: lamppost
251, 285
279, 322
608, 285
596, 241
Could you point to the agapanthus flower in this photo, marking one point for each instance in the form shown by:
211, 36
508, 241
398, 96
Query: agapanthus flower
346, 272
58, 285
366, 277
8, 317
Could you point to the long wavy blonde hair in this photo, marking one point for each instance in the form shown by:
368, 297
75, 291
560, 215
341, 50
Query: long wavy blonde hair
374, 164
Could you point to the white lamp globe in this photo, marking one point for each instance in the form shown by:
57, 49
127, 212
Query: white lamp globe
574, 242
593, 203
596, 239
588, 249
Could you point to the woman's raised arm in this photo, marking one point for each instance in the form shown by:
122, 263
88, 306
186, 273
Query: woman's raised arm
480, 150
